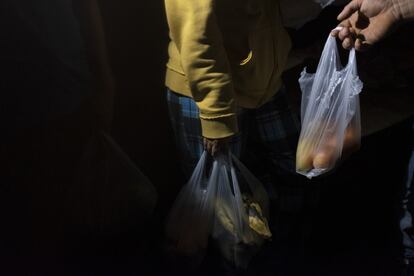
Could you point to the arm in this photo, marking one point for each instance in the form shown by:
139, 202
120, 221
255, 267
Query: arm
194, 29
93, 34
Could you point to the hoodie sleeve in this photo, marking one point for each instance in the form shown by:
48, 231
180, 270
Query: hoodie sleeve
194, 29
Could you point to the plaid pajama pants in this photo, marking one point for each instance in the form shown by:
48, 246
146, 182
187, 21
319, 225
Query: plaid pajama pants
272, 129
266, 144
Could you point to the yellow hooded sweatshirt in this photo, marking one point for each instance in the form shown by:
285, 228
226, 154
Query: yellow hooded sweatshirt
225, 54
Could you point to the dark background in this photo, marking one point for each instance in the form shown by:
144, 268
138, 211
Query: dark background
356, 229
137, 36
356, 223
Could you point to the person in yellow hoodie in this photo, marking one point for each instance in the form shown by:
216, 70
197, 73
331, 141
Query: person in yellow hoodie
224, 90
224, 71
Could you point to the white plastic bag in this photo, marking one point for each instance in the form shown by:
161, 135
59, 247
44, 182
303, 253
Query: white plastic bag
241, 211
330, 112
191, 217
222, 200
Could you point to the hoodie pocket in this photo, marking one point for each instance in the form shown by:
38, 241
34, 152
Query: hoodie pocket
256, 70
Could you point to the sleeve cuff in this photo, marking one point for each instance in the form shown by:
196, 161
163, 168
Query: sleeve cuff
221, 127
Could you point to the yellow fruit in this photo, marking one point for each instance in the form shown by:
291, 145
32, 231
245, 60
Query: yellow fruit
258, 222
304, 156
226, 216
332, 142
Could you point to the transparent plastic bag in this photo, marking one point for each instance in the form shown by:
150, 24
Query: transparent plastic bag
222, 200
330, 114
191, 217
241, 210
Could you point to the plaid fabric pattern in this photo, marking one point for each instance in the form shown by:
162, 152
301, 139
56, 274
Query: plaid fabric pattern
266, 144
278, 131
272, 127
184, 116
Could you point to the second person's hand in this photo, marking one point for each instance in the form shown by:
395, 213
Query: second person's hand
365, 22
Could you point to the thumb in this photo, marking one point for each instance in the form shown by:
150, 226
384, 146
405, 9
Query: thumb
350, 9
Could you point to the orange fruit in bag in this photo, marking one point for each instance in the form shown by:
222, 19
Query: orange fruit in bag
351, 139
325, 158
326, 154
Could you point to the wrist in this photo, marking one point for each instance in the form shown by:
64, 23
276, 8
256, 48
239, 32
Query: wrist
220, 127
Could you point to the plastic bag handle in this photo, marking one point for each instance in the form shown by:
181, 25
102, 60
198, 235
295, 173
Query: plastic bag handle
352, 54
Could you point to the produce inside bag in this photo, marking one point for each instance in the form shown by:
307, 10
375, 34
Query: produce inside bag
331, 125
240, 225
222, 200
255, 217
191, 217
